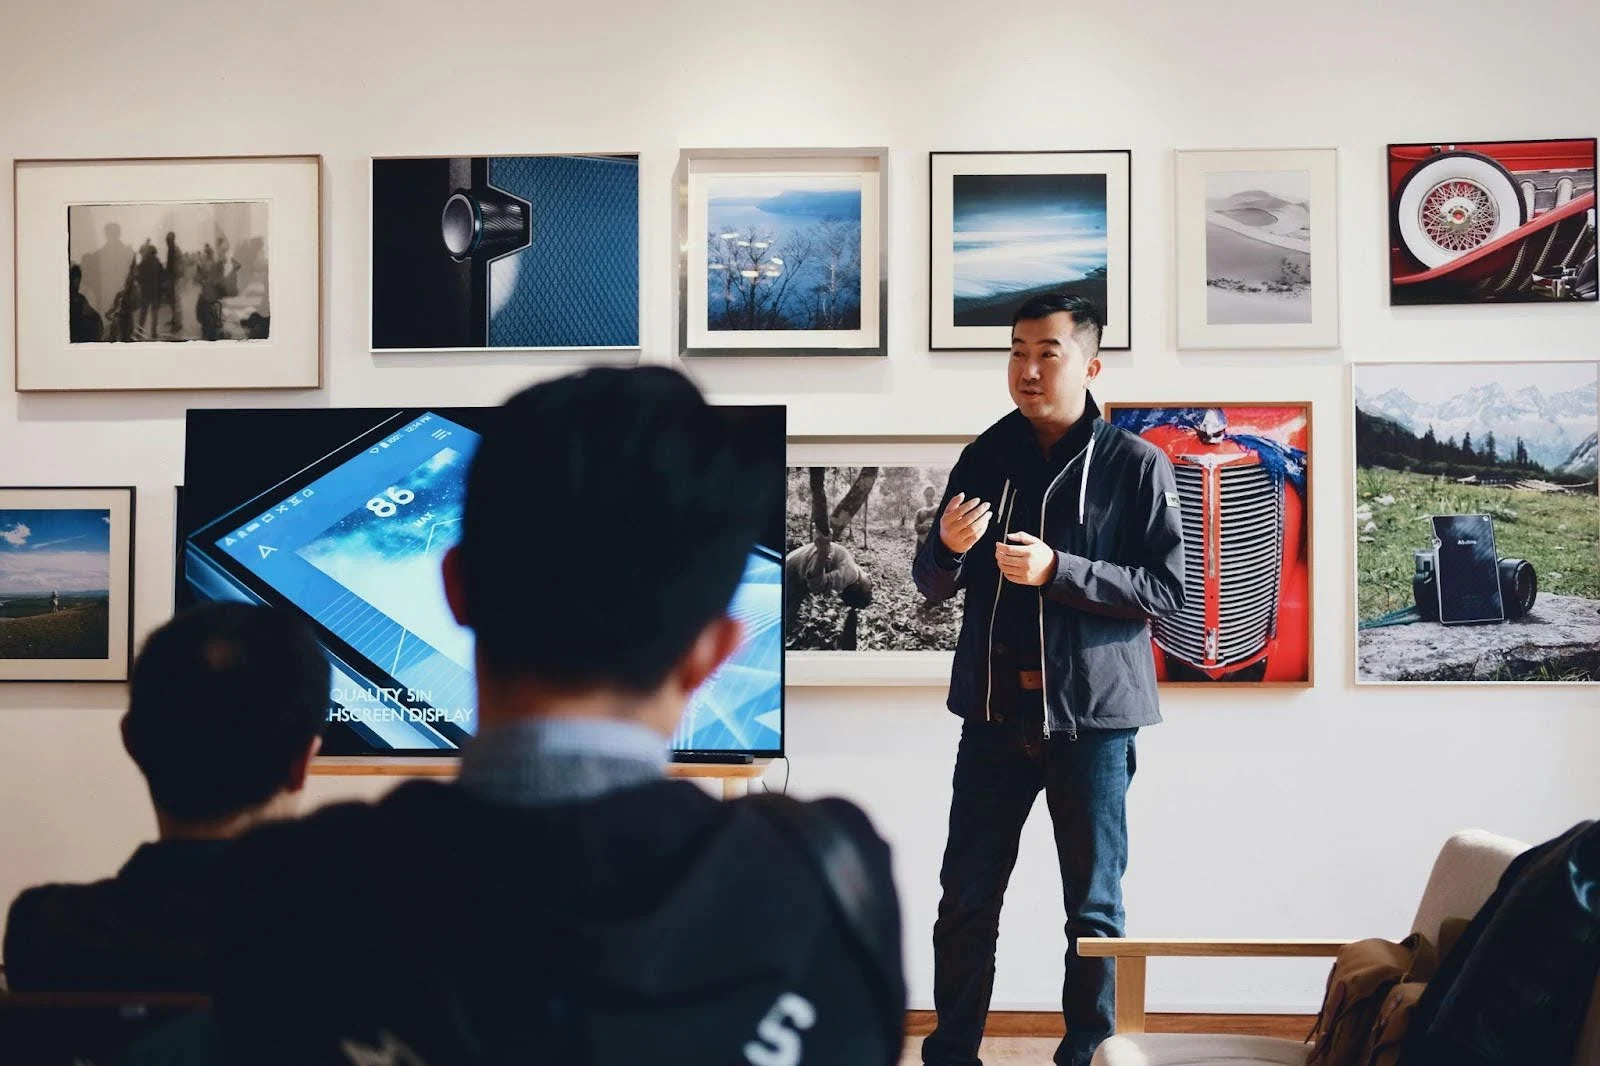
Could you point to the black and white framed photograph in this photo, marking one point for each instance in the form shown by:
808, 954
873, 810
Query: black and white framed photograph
782, 252
66, 584
1258, 250
180, 273
858, 511
1007, 226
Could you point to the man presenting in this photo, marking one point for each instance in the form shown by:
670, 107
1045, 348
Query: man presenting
1065, 533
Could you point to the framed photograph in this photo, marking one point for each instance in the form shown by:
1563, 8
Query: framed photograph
181, 273
1477, 523
1258, 248
1492, 222
1244, 481
859, 509
1007, 226
66, 584
475, 253
782, 252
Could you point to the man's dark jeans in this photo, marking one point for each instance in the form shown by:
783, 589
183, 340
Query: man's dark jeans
1000, 769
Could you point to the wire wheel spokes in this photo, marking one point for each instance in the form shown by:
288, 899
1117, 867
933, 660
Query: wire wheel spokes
1458, 215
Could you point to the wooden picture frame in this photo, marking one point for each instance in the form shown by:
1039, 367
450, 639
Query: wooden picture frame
1226, 634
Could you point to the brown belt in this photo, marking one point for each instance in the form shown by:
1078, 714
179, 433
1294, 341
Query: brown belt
1030, 680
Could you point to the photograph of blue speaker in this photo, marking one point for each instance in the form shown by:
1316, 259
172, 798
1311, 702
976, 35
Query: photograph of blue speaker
526, 252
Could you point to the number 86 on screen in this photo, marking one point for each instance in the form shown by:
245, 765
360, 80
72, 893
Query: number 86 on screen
391, 501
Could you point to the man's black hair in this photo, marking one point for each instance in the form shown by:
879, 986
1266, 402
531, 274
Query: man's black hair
225, 699
1087, 321
608, 520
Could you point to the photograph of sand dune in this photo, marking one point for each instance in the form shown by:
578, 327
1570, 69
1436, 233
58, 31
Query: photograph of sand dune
64, 583
1257, 250
1258, 246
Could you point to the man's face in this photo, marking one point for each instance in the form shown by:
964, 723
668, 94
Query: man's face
1049, 371
928, 494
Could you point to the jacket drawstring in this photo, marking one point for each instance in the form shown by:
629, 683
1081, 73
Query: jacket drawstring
1083, 483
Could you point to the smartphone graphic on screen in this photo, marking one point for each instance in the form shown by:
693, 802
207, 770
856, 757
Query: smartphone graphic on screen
353, 543
1468, 577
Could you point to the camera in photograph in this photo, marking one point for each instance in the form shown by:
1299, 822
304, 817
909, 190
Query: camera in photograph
1519, 585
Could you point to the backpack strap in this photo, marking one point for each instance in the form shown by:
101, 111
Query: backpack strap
839, 864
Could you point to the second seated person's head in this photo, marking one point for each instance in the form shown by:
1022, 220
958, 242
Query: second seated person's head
226, 709
608, 520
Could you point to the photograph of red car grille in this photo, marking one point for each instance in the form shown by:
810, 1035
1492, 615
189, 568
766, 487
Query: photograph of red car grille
1241, 475
1494, 221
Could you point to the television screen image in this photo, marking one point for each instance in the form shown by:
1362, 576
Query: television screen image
344, 516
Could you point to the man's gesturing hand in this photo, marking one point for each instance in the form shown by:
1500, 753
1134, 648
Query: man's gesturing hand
1027, 560
963, 523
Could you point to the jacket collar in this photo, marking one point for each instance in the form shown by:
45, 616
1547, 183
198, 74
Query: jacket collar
1076, 437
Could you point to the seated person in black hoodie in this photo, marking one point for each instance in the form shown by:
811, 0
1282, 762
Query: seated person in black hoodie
562, 902
226, 709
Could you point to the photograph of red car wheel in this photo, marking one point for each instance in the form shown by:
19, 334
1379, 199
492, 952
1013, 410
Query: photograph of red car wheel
1243, 473
1492, 222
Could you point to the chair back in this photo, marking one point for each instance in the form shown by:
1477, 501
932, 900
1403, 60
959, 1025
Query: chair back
1464, 876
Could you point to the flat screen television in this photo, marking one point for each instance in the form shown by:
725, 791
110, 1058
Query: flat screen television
343, 515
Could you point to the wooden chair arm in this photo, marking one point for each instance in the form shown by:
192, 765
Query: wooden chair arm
1132, 954
1145, 947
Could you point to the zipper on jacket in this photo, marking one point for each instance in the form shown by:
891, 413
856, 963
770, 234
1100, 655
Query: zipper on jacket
1086, 454
988, 694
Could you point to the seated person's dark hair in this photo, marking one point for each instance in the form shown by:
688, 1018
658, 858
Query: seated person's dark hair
227, 706
594, 548
224, 701
1087, 321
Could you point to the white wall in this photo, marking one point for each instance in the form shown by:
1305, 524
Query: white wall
1254, 813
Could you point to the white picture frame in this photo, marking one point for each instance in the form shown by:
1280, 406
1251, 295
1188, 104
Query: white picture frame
892, 587
1545, 514
287, 190
944, 170
1217, 310
703, 174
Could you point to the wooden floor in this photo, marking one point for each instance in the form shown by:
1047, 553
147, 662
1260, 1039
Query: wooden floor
1016, 1037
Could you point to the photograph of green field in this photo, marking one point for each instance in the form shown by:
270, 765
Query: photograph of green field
55, 579
1515, 442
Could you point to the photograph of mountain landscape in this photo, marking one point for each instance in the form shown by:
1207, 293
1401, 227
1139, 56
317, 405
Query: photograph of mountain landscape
1513, 441
783, 252
1258, 247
